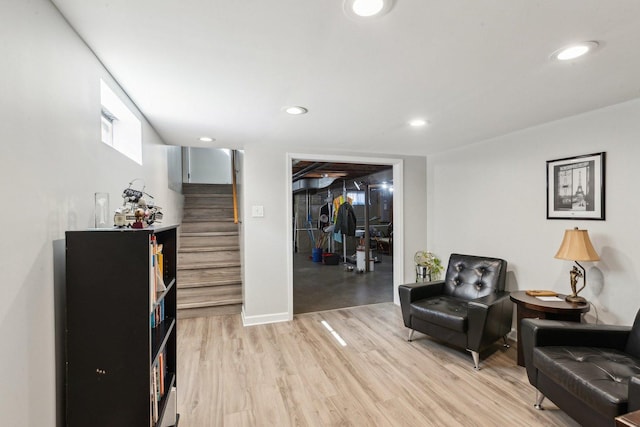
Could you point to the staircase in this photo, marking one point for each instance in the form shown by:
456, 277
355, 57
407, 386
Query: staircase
209, 281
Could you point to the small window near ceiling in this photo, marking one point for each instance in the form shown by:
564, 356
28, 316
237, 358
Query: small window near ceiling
357, 197
107, 127
121, 129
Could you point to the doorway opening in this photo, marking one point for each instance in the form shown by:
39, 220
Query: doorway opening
330, 265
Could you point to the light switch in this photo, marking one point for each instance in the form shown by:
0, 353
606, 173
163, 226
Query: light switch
257, 211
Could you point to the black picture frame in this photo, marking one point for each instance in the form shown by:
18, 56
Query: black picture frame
576, 187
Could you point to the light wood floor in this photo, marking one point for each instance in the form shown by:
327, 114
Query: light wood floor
297, 374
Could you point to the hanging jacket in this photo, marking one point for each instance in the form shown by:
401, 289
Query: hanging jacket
346, 220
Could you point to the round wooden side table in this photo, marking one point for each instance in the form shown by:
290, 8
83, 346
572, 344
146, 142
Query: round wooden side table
528, 306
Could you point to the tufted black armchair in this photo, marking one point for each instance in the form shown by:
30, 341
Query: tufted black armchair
592, 372
469, 309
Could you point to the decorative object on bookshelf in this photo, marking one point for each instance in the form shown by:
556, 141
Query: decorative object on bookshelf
121, 327
101, 212
136, 211
139, 216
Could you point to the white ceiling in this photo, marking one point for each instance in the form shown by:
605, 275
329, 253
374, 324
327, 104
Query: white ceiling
474, 68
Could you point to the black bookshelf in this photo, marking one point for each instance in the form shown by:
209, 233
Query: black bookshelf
120, 328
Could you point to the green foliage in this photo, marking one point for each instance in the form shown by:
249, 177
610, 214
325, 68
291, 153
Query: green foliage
432, 262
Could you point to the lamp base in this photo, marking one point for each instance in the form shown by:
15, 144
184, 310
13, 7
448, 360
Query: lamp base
575, 299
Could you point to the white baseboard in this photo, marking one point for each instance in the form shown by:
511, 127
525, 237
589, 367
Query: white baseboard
263, 319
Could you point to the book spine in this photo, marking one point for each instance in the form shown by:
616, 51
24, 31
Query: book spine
160, 285
161, 366
152, 274
154, 395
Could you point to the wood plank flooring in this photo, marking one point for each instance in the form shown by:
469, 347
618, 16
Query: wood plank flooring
297, 374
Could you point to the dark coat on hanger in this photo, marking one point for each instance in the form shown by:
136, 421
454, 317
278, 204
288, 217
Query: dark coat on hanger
346, 220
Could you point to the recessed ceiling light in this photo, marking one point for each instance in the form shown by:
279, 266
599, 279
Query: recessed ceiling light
366, 8
206, 139
417, 123
296, 110
574, 51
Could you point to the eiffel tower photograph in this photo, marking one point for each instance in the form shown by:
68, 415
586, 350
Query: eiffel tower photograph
575, 187
578, 201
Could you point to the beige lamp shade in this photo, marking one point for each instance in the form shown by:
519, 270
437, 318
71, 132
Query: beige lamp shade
576, 246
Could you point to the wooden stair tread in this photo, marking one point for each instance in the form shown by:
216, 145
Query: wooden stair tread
214, 213
208, 218
202, 249
225, 276
225, 219
209, 284
208, 233
198, 221
216, 303
205, 194
205, 204
212, 272
203, 265
209, 294
208, 226
215, 270
209, 208
208, 189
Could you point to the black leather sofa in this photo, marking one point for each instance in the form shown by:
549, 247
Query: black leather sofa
592, 372
469, 309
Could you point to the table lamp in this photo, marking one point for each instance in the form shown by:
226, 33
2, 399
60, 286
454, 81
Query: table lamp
576, 246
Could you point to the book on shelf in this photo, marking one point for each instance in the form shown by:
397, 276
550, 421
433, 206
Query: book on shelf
154, 399
158, 388
162, 373
158, 266
157, 315
160, 285
152, 274
156, 270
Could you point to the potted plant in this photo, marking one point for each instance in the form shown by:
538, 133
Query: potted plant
428, 266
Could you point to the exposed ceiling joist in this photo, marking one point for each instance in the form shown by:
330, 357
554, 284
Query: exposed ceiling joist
346, 171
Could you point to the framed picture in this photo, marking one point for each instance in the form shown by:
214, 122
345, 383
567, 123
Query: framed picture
575, 187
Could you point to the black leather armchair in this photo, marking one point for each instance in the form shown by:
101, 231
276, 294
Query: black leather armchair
592, 372
469, 309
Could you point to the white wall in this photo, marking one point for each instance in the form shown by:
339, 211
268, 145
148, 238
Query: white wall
51, 163
206, 165
490, 199
266, 263
264, 266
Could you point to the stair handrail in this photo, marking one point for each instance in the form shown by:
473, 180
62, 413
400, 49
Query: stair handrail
234, 186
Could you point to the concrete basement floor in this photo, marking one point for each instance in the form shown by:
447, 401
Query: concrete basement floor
319, 287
